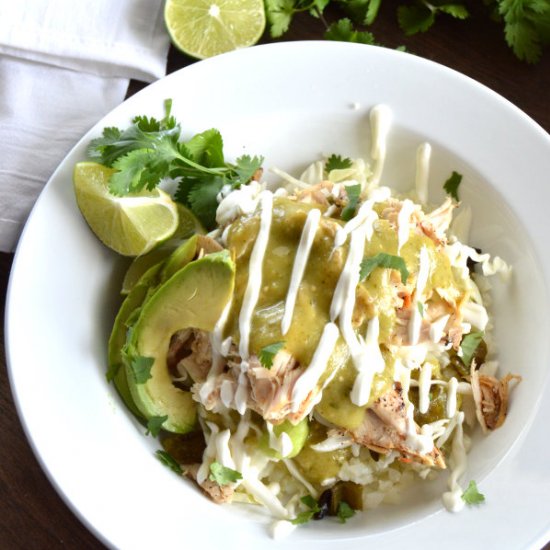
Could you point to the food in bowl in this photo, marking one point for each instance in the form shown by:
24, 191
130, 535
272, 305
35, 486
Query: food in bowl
324, 344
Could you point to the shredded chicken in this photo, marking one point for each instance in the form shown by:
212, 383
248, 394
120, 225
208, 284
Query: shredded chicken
385, 429
220, 494
491, 398
190, 354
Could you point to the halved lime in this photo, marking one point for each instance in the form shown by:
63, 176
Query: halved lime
203, 28
130, 225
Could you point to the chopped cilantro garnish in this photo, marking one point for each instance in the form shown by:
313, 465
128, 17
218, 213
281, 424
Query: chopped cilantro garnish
307, 515
154, 425
141, 368
336, 162
223, 475
471, 495
169, 461
353, 192
420, 307
268, 353
451, 185
345, 511
384, 260
469, 345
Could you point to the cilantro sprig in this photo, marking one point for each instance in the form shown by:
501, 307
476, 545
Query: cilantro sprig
452, 184
268, 353
223, 475
307, 515
151, 150
384, 260
169, 461
526, 23
471, 495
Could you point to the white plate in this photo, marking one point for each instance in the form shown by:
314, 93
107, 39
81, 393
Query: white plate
291, 103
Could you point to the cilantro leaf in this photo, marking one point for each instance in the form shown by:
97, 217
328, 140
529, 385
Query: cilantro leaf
268, 353
471, 495
245, 169
343, 31
279, 16
469, 345
353, 192
362, 11
223, 475
384, 260
336, 162
169, 461
420, 307
414, 19
206, 148
345, 511
154, 425
451, 185
203, 201
307, 515
458, 11
141, 368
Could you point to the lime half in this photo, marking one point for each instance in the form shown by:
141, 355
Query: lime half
203, 28
130, 225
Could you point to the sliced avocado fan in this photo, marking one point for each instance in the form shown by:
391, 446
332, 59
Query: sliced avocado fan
193, 297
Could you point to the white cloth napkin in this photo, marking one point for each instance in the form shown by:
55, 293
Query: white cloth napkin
63, 65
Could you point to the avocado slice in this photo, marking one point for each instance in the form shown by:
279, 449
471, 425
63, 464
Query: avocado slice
141, 289
194, 297
133, 301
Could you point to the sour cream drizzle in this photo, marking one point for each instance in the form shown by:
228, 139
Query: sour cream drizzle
453, 499
423, 154
253, 286
404, 223
317, 366
300, 261
380, 119
369, 361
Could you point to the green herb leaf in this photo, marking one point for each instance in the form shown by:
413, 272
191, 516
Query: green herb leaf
223, 475
384, 260
451, 185
169, 461
268, 353
206, 148
202, 199
471, 495
458, 11
336, 162
345, 511
343, 31
414, 19
354, 193
469, 345
141, 368
154, 425
245, 168
279, 16
420, 307
304, 517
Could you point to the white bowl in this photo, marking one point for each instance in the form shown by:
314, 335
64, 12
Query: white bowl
290, 102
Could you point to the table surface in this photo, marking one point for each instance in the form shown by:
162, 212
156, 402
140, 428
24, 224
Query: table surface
33, 515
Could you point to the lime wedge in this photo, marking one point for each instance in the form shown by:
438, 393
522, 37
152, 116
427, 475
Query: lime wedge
130, 225
203, 28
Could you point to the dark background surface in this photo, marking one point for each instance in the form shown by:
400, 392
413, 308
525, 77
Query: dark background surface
32, 515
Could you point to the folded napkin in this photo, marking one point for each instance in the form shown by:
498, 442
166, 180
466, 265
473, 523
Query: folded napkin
63, 65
